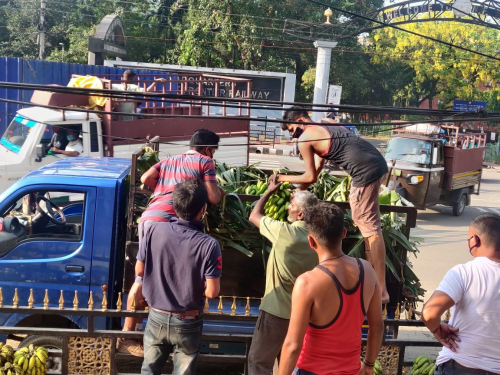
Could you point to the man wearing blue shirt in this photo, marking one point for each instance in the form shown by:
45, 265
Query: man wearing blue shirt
180, 266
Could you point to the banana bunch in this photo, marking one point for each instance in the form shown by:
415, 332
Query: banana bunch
423, 365
377, 369
31, 361
257, 189
10, 369
6, 354
277, 205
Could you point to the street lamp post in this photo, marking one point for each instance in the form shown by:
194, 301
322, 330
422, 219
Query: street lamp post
62, 51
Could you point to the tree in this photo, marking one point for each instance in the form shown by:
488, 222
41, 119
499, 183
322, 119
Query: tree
442, 71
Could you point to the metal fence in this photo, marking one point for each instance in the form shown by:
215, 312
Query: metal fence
92, 351
492, 153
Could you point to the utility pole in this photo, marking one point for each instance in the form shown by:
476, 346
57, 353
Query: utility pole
41, 29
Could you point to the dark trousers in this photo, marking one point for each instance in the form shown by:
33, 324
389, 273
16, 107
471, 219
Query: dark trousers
165, 333
454, 368
268, 337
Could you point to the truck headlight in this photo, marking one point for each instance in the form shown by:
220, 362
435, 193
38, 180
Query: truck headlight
415, 179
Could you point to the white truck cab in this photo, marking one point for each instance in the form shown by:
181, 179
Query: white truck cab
23, 145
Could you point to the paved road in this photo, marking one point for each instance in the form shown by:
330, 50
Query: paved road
445, 235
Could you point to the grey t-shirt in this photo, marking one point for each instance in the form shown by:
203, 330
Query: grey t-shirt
177, 258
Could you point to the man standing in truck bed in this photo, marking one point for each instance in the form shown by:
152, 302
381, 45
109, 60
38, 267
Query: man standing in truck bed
361, 160
196, 163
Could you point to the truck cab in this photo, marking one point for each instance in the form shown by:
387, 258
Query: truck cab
62, 232
432, 165
23, 145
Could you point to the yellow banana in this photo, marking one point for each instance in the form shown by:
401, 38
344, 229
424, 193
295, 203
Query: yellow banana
31, 362
25, 364
41, 356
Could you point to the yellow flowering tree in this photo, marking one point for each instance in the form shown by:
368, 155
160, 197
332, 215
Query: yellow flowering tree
443, 71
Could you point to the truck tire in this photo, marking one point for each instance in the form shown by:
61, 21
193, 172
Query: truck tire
459, 207
54, 364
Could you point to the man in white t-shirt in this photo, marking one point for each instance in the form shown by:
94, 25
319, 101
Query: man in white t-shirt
74, 147
129, 85
471, 339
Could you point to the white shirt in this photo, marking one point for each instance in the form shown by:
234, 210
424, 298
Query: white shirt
475, 289
130, 87
75, 145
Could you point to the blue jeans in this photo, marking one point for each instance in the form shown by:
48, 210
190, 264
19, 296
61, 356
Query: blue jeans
298, 371
165, 333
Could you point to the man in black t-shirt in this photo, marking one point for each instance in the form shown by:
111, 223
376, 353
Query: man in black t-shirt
360, 159
180, 266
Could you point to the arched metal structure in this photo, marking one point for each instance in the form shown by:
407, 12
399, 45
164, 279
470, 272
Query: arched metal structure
478, 12
108, 40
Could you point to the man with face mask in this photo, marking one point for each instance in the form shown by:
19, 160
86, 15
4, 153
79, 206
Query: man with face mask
73, 148
58, 140
471, 339
290, 257
196, 163
181, 266
360, 159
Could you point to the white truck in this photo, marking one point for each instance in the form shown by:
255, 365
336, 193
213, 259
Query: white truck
23, 145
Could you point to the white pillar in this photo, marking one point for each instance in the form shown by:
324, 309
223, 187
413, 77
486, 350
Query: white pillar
322, 74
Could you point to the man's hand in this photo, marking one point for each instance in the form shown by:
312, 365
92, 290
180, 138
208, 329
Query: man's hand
365, 370
162, 80
56, 150
274, 185
447, 336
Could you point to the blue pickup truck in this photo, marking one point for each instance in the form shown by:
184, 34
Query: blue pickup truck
75, 247
63, 229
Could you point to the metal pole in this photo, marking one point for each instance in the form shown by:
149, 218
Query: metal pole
41, 28
322, 74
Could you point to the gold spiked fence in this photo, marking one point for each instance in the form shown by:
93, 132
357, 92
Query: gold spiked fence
90, 350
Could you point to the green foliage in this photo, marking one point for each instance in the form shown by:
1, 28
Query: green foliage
438, 70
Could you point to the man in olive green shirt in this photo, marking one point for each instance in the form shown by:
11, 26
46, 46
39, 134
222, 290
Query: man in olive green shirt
290, 257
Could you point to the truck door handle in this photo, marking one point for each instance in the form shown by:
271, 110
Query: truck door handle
75, 269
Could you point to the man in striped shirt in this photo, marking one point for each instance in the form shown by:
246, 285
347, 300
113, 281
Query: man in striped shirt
196, 163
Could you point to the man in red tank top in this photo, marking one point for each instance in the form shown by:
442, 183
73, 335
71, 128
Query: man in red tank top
329, 305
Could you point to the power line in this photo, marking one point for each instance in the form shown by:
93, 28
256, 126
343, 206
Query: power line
357, 15
212, 99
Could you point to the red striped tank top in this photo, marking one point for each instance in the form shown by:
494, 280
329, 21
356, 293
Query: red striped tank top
335, 349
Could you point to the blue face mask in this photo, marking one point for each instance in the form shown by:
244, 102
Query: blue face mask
70, 138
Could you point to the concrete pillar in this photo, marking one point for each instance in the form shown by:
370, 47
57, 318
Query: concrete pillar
322, 74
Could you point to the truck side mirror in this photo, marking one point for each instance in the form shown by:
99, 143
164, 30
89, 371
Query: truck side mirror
40, 153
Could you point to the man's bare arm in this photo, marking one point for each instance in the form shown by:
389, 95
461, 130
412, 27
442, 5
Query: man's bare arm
319, 163
139, 268
433, 309
212, 287
310, 175
150, 178
301, 312
258, 211
375, 320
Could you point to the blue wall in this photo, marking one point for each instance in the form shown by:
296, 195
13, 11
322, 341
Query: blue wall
19, 70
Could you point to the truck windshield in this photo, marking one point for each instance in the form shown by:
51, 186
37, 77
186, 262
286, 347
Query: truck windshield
16, 134
409, 149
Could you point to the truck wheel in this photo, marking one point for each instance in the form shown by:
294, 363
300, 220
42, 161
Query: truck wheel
54, 364
459, 207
